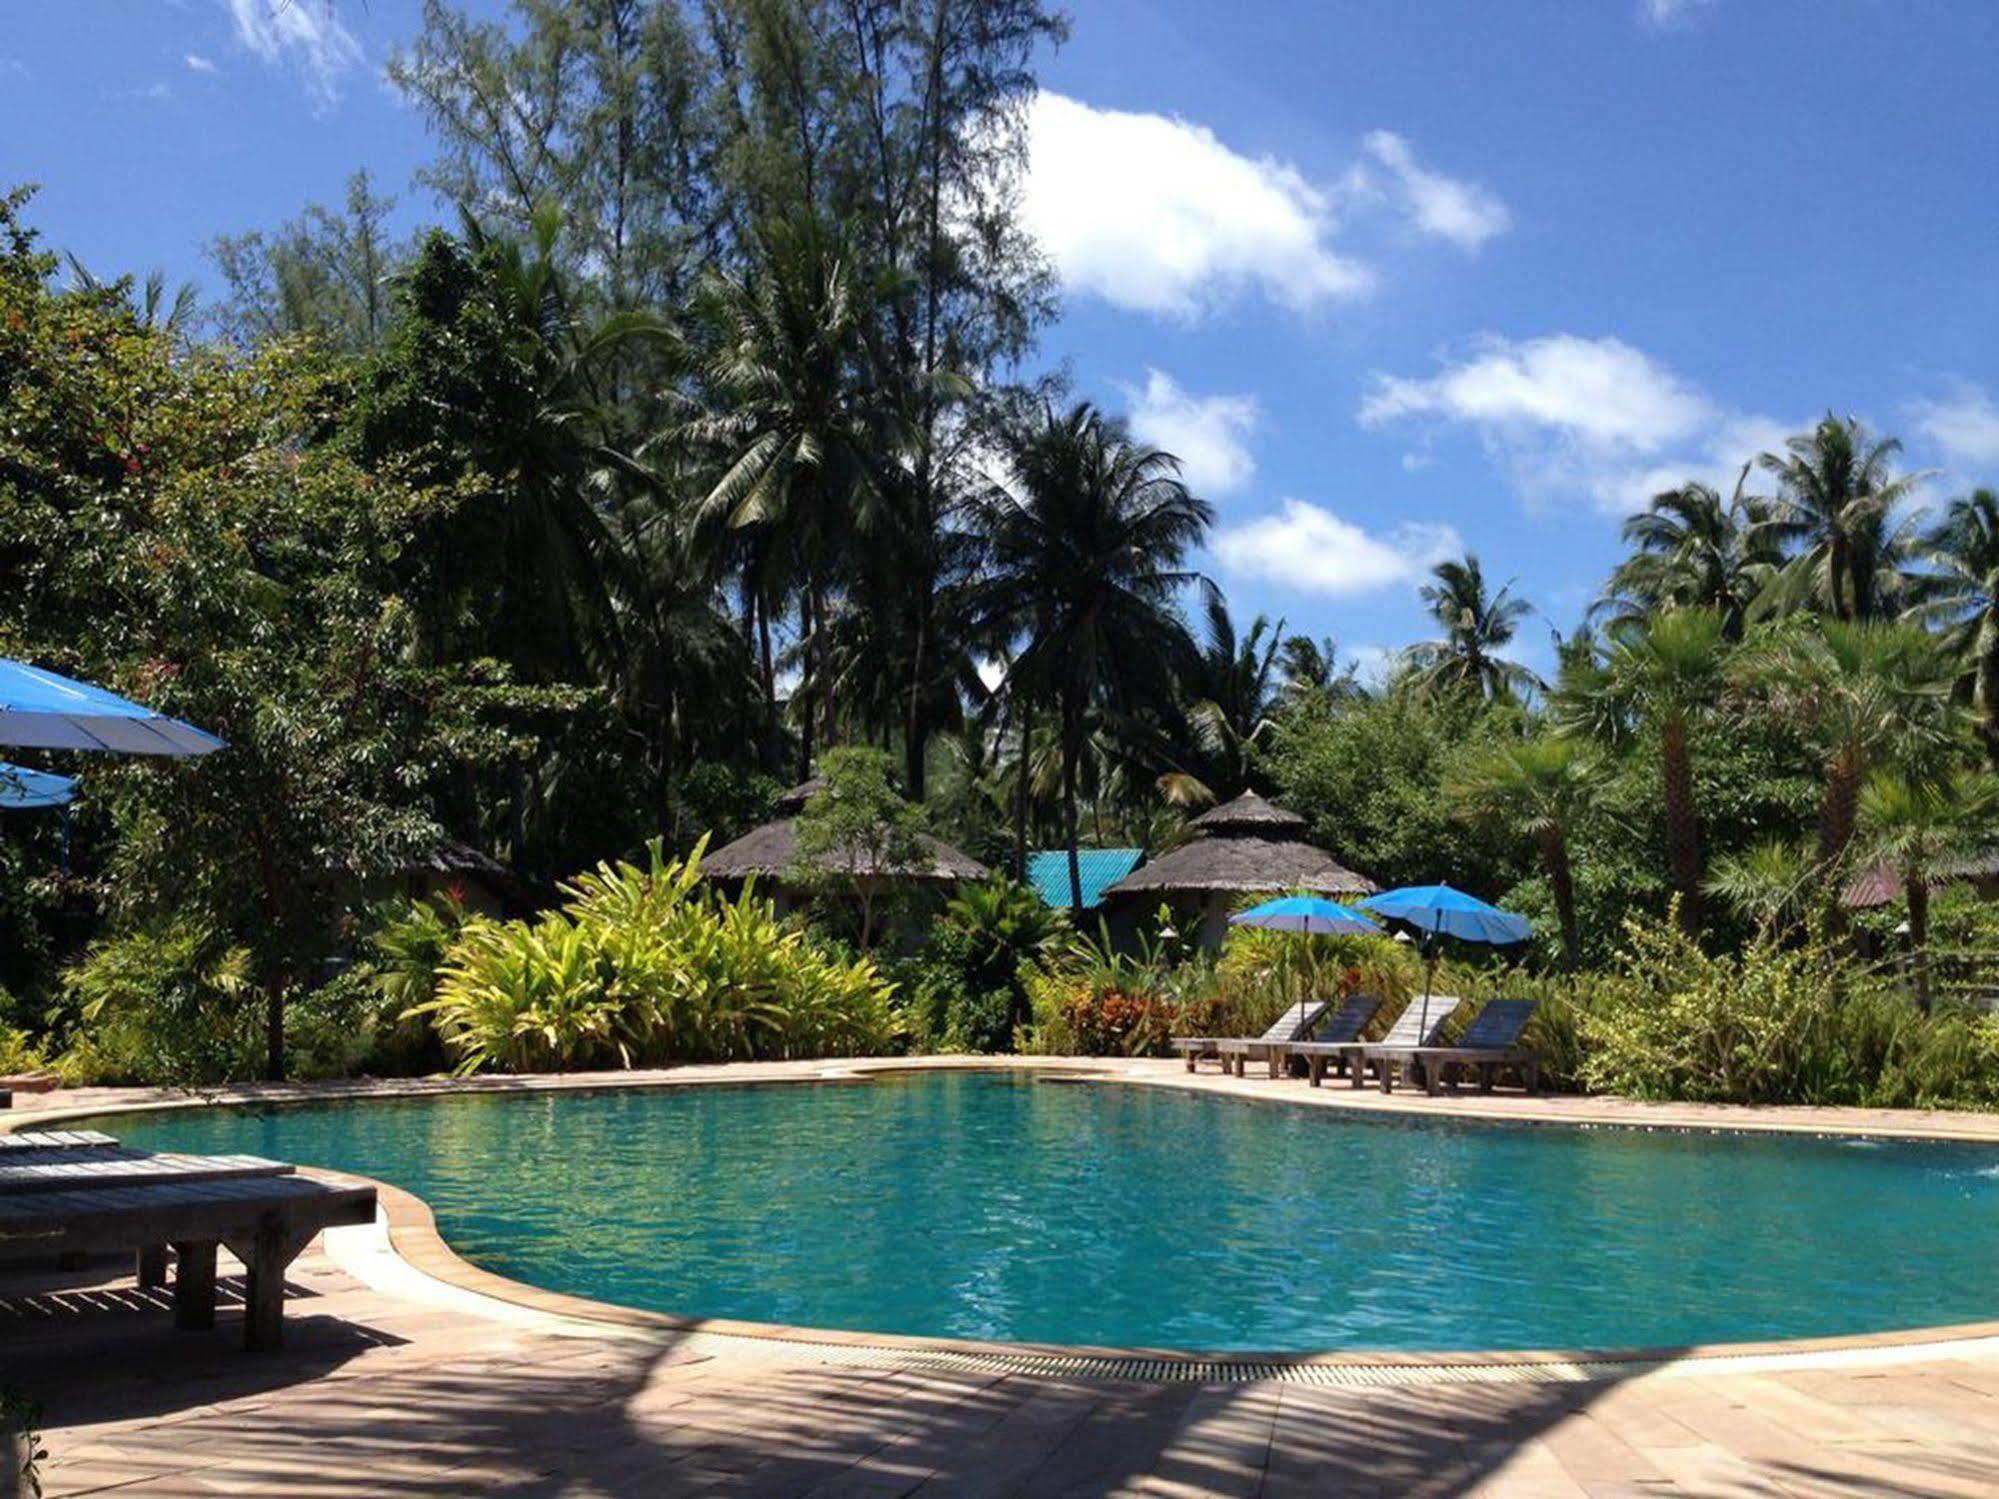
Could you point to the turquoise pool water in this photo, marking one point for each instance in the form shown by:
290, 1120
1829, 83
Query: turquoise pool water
994, 1206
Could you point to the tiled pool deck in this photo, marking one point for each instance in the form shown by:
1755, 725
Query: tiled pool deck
405, 1374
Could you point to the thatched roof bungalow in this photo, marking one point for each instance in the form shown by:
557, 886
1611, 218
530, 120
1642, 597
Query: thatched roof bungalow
1246, 847
769, 852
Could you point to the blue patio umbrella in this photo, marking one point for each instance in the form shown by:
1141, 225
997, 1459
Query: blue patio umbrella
1438, 910
44, 711
22, 787
1308, 914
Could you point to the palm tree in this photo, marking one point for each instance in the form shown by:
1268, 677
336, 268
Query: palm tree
1229, 717
1667, 672
1961, 593
1540, 789
1313, 666
1088, 546
1922, 827
1836, 500
1690, 549
1477, 627
1862, 695
802, 431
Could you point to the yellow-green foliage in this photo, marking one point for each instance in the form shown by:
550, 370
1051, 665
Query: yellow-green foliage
1771, 1024
17, 1053
642, 967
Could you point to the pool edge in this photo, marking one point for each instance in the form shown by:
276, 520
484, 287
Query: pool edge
412, 1236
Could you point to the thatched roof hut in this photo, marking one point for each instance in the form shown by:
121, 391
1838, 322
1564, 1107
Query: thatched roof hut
1882, 884
1247, 845
770, 850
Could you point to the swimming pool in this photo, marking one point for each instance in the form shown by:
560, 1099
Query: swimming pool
996, 1206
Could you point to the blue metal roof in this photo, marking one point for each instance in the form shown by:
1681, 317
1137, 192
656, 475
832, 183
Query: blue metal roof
1098, 868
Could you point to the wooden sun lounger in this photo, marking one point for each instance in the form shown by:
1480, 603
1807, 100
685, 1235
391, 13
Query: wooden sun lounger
1346, 1026
52, 1139
1234, 1052
1408, 1030
1488, 1044
120, 1166
264, 1219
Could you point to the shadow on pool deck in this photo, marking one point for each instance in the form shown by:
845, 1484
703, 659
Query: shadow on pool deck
374, 1396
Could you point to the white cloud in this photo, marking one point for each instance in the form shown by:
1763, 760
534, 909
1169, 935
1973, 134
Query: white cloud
1208, 434
156, 92
1567, 417
1599, 392
13, 65
1966, 426
1444, 207
1669, 13
1157, 215
196, 63
306, 35
1312, 549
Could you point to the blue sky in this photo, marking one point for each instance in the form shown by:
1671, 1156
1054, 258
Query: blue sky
1393, 279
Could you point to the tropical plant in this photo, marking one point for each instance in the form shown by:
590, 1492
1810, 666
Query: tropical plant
800, 432
1231, 682
177, 1006
978, 946
1861, 696
857, 834
1663, 673
643, 967
1088, 549
1478, 626
1690, 549
1836, 503
1537, 789
1959, 593
1922, 827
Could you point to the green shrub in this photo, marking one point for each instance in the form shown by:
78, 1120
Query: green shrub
17, 1053
174, 1006
642, 967
1773, 1024
970, 996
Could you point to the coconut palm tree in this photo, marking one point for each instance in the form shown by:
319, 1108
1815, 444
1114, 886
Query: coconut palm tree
1310, 666
1922, 827
1088, 546
1837, 494
801, 430
1232, 690
1960, 593
1477, 626
1539, 789
1862, 696
1692, 549
1666, 672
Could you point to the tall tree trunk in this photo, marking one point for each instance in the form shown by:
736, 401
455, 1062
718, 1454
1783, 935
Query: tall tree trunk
1683, 838
1562, 885
1072, 754
808, 685
1838, 564
916, 732
1988, 684
1838, 812
1838, 807
1024, 796
1919, 939
768, 674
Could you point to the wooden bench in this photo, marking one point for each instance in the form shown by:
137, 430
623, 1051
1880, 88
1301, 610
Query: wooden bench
265, 1219
78, 1167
